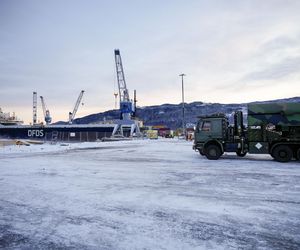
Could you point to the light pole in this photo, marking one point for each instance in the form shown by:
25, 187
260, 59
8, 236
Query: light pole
183, 115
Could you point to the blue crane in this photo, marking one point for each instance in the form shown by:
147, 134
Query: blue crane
126, 105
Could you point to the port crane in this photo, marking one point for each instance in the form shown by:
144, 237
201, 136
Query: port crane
126, 105
126, 125
72, 114
46, 111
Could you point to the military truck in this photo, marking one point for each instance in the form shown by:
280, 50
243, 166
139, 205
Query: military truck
272, 128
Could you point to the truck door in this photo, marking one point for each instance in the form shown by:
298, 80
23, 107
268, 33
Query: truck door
211, 129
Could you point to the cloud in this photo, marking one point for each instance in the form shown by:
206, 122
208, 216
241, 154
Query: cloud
219, 45
278, 71
281, 43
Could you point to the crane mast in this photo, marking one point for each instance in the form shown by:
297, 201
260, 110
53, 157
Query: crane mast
72, 114
34, 108
46, 111
126, 106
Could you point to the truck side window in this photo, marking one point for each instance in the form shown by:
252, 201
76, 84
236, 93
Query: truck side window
206, 126
199, 125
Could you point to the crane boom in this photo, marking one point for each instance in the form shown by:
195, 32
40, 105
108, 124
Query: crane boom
43, 105
72, 114
46, 111
123, 91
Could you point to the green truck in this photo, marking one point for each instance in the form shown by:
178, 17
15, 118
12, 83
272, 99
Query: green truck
272, 128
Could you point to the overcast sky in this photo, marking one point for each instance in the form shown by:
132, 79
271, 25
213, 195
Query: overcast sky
231, 51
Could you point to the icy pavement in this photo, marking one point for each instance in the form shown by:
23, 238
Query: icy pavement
145, 195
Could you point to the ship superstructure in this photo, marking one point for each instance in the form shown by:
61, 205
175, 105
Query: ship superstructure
8, 119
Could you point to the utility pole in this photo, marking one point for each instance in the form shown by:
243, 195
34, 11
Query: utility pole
183, 113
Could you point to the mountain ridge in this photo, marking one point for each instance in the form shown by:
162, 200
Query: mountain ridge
170, 115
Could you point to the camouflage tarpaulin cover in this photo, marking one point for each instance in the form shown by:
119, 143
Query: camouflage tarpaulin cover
274, 113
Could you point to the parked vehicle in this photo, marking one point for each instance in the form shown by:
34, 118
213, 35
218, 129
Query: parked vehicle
271, 129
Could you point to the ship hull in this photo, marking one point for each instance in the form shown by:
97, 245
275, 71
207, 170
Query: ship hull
58, 132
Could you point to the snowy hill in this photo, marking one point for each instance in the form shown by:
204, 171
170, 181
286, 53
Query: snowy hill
170, 115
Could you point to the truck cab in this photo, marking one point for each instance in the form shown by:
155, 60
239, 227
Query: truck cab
214, 136
210, 135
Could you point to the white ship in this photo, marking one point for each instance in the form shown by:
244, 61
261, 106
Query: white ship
7, 119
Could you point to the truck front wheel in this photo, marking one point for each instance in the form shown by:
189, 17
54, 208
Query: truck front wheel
213, 152
282, 153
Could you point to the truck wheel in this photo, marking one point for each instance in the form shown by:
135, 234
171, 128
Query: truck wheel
239, 153
298, 154
213, 152
282, 153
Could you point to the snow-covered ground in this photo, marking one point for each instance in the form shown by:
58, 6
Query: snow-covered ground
145, 195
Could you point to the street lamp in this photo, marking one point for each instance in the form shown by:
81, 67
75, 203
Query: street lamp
183, 117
